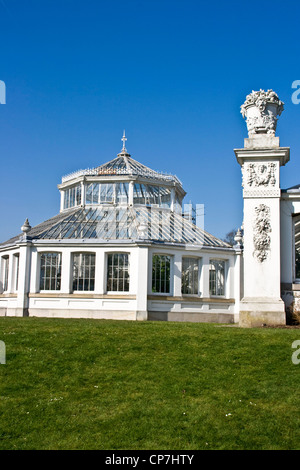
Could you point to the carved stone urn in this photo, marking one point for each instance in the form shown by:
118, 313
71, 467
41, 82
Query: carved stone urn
261, 109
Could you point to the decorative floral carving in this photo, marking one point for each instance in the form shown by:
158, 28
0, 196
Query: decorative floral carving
262, 228
261, 109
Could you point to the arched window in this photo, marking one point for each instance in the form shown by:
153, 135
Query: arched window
84, 271
161, 274
296, 220
117, 272
190, 276
4, 273
217, 277
50, 273
16, 262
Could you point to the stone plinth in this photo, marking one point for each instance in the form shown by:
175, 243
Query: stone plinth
262, 311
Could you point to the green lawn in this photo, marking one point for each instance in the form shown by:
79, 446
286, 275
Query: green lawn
93, 384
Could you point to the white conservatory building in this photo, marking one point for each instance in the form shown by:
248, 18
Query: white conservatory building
120, 248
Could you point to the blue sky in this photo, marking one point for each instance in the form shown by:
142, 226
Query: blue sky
172, 73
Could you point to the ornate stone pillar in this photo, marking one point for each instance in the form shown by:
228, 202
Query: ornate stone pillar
261, 159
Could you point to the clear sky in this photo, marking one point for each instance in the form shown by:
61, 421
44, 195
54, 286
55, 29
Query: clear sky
173, 73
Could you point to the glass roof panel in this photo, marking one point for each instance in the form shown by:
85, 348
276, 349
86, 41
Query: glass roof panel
121, 223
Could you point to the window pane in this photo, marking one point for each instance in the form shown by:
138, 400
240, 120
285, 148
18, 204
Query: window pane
161, 271
89, 194
217, 277
189, 276
72, 197
78, 195
122, 193
297, 262
106, 192
84, 271
5, 268
50, 273
118, 272
17, 258
95, 193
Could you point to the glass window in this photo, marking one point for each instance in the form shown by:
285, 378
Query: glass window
50, 274
217, 277
72, 197
161, 274
122, 193
189, 276
118, 272
106, 193
16, 271
177, 205
297, 263
165, 196
92, 193
5, 270
83, 271
138, 195
148, 195
296, 220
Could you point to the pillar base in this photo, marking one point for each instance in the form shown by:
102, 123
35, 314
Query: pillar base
256, 312
142, 315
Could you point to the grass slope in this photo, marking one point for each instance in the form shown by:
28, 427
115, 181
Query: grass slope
93, 384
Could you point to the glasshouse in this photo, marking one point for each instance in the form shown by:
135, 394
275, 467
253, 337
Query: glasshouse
121, 247
124, 246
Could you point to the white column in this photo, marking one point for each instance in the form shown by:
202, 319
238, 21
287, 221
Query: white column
83, 193
62, 197
177, 269
100, 272
66, 272
130, 191
141, 282
172, 199
238, 280
204, 279
24, 279
35, 272
10, 274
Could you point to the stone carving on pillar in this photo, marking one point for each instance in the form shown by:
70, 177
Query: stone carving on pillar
261, 109
262, 228
261, 174
260, 180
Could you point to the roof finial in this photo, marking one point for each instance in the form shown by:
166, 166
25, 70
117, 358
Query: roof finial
26, 227
124, 140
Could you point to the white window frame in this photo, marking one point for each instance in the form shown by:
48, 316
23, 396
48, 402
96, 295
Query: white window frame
198, 260
296, 279
80, 253
5, 273
171, 282
225, 262
112, 253
68, 195
42, 253
16, 270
